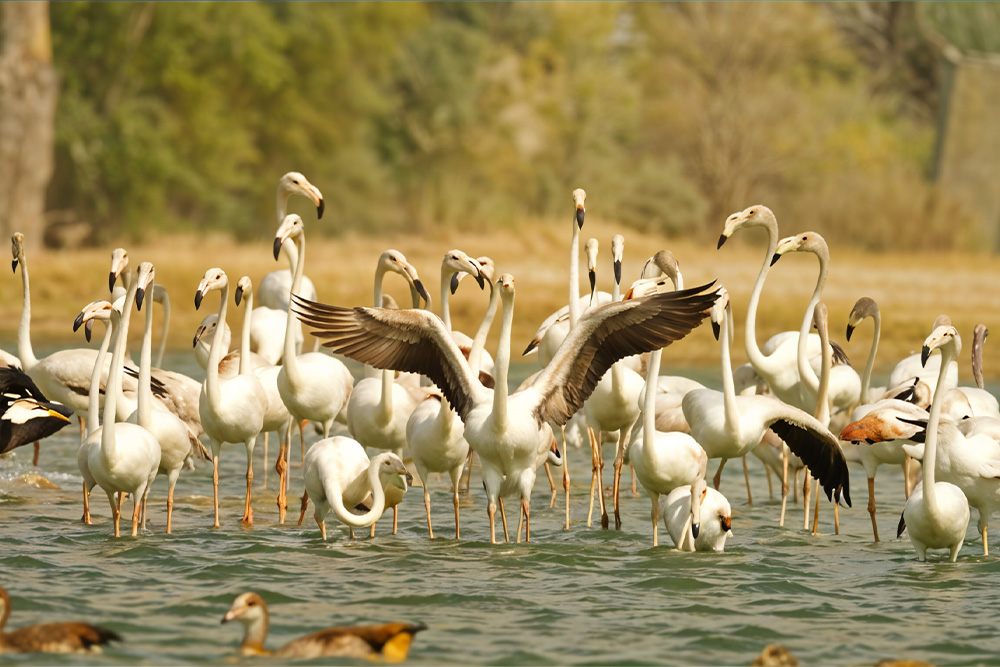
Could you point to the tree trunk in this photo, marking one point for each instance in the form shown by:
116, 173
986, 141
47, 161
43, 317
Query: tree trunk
28, 92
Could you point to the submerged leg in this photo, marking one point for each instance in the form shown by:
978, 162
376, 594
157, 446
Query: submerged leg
593, 474
565, 467
86, 505
427, 507
215, 485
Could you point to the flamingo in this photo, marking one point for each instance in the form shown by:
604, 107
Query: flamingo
66, 637
275, 286
127, 458
313, 386
434, 433
338, 475
170, 432
683, 509
63, 375
614, 406
389, 642
936, 514
96, 310
727, 425
231, 410
877, 452
508, 431
25, 414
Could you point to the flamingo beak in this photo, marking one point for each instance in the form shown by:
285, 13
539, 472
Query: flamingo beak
695, 529
320, 207
722, 239
140, 293
239, 294
925, 353
198, 296
455, 280
88, 328
850, 330
618, 271
775, 258
419, 286
78, 322
112, 277
13, 265
277, 246
579, 216
716, 328
593, 279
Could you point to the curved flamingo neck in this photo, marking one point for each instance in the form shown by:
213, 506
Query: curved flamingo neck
806, 373
336, 498
24, 349
930, 443
866, 377
289, 359
574, 277
445, 308
479, 342
120, 324
94, 405
649, 404
757, 358
145, 392
164, 299
212, 383
501, 366
730, 408
245, 367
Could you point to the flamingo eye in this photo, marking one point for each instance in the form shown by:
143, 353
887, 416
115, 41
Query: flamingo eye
805, 238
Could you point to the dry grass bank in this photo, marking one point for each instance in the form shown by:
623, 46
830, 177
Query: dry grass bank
912, 289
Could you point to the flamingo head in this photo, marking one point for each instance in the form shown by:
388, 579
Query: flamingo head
215, 279
16, 249
941, 337
395, 261
291, 227
804, 242
294, 183
95, 310
579, 197
456, 262
752, 216
145, 277
119, 261
243, 286
865, 307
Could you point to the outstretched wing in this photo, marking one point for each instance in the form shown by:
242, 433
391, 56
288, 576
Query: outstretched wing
414, 341
819, 449
611, 332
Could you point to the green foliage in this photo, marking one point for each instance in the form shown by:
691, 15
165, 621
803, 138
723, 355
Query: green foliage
670, 115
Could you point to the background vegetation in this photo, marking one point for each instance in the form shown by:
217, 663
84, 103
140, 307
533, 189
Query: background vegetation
418, 116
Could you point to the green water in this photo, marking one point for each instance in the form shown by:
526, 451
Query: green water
584, 596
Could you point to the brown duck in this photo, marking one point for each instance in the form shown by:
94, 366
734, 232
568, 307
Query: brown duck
51, 637
389, 642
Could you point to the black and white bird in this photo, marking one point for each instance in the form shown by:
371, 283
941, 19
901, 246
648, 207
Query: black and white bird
25, 414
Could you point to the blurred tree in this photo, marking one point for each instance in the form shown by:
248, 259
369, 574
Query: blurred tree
28, 93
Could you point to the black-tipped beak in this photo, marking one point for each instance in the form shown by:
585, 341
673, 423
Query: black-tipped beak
722, 239
454, 282
775, 258
139, 294
924, 354
194, 343
198, 296
13, 265
695, 529
593, 279
277, 247
78, 322
320, 208
239, 294
850, 331
618, 271
579, 216
420, 289
88, 328
479, 279
111, 281
716, 328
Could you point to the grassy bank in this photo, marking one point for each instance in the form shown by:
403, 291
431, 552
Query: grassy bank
912, 289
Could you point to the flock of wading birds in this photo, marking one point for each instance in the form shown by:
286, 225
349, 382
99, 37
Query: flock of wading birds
784, 406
